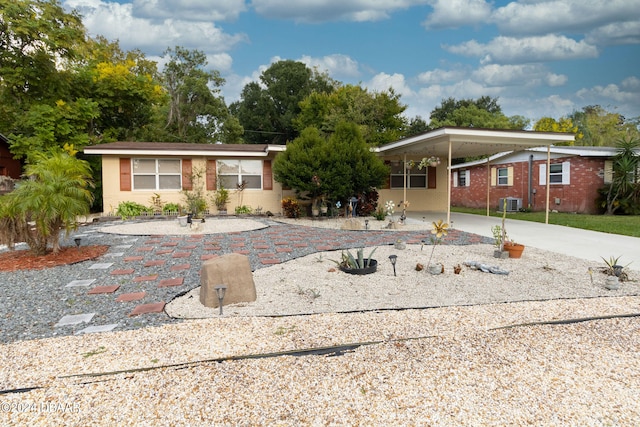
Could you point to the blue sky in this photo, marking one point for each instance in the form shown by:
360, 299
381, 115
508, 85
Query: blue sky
539, 57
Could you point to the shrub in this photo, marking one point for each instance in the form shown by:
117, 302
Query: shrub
291, 207
171, 208
244, 209
128, 210
380, 214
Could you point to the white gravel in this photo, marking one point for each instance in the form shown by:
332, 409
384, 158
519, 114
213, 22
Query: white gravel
445, 366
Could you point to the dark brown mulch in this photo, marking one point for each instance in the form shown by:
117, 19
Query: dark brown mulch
25, 260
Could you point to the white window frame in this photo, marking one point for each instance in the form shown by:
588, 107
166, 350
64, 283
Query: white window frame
502, 180
461, 178
411, 173
156, 174
224, 175
564, 175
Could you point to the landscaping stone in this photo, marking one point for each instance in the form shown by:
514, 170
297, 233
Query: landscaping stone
231, 270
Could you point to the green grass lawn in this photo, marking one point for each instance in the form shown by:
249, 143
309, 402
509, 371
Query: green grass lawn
617, 224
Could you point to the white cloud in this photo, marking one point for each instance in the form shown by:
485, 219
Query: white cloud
331, 10
116, 22
440, 76
631, 84
561, 16
338, 66
382, 82
610, 91
517, 75
615, 34
192, 10
530, 49
457, 13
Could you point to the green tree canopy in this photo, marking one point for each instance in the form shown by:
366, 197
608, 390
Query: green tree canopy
600, 127
564, 124
377, 114
484, 112
336, 167
266, 110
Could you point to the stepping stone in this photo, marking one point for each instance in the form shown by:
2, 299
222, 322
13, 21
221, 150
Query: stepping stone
104, 289
145, 249
164, 251
100, 266
154, 263
78, 283
171, 282
74, 319
182, 254
113, 254
94, 329
122, 272
209, 256
123, 246
148, 278
133, 258
181, 267
156, 307
133, 296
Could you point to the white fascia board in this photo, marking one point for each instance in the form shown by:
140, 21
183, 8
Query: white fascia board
602, 152
481, 161
177, 153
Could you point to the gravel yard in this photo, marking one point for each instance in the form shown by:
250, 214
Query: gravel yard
543, 345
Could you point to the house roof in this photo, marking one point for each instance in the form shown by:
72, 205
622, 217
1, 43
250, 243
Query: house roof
571, 151
469, 142
183, 149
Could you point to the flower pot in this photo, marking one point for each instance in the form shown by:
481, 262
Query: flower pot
373, 266
183, 220
323, 210
315, 212
514, 249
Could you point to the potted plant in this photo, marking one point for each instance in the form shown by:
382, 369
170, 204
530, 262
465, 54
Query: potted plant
220, 199
358, 264
515, 249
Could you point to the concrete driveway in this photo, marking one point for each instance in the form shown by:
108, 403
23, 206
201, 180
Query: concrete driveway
590, 245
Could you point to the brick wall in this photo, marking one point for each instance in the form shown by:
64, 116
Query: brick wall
586, 177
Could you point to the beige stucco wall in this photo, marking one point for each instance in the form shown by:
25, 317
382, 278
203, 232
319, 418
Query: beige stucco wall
268, 200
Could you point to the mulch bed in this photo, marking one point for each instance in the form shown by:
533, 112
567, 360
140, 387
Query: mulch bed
25, 260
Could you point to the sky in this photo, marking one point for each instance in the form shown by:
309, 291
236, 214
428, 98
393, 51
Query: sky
540, 58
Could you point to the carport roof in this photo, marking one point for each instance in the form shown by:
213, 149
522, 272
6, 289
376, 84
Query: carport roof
471, 142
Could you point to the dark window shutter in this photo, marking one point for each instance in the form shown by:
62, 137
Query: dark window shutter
125, 174
267, 175
211, 175
186, 175
431, 177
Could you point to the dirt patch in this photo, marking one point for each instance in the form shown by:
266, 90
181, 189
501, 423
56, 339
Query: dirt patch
25, 260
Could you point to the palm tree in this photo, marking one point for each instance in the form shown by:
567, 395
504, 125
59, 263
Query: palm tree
50, 200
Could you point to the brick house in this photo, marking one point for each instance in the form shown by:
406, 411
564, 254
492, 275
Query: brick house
575, 175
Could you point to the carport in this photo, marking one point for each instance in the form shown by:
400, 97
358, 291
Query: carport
451, 143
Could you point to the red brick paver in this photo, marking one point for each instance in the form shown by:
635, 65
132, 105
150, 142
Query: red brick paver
122, 272
132, 296
148, 278
156, 307
154, 263
178, 281
181, 267
103, 289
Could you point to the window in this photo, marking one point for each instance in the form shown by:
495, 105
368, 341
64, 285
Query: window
416, 178
503, 176
234, 172
157, 174
559, 173
462, 178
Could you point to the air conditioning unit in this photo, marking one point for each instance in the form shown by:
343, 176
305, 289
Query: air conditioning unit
513, 204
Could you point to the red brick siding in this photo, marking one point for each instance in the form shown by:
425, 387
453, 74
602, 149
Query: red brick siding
586, 177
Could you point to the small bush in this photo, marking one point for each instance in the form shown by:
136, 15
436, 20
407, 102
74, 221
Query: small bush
244, 209
170, 208
128, 210
291, 207
380, 214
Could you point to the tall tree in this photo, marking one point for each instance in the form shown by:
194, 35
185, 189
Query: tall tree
196, 111
600, 127
377, 114
484, 112
38, 41
624, 191
266, 110
564, 124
